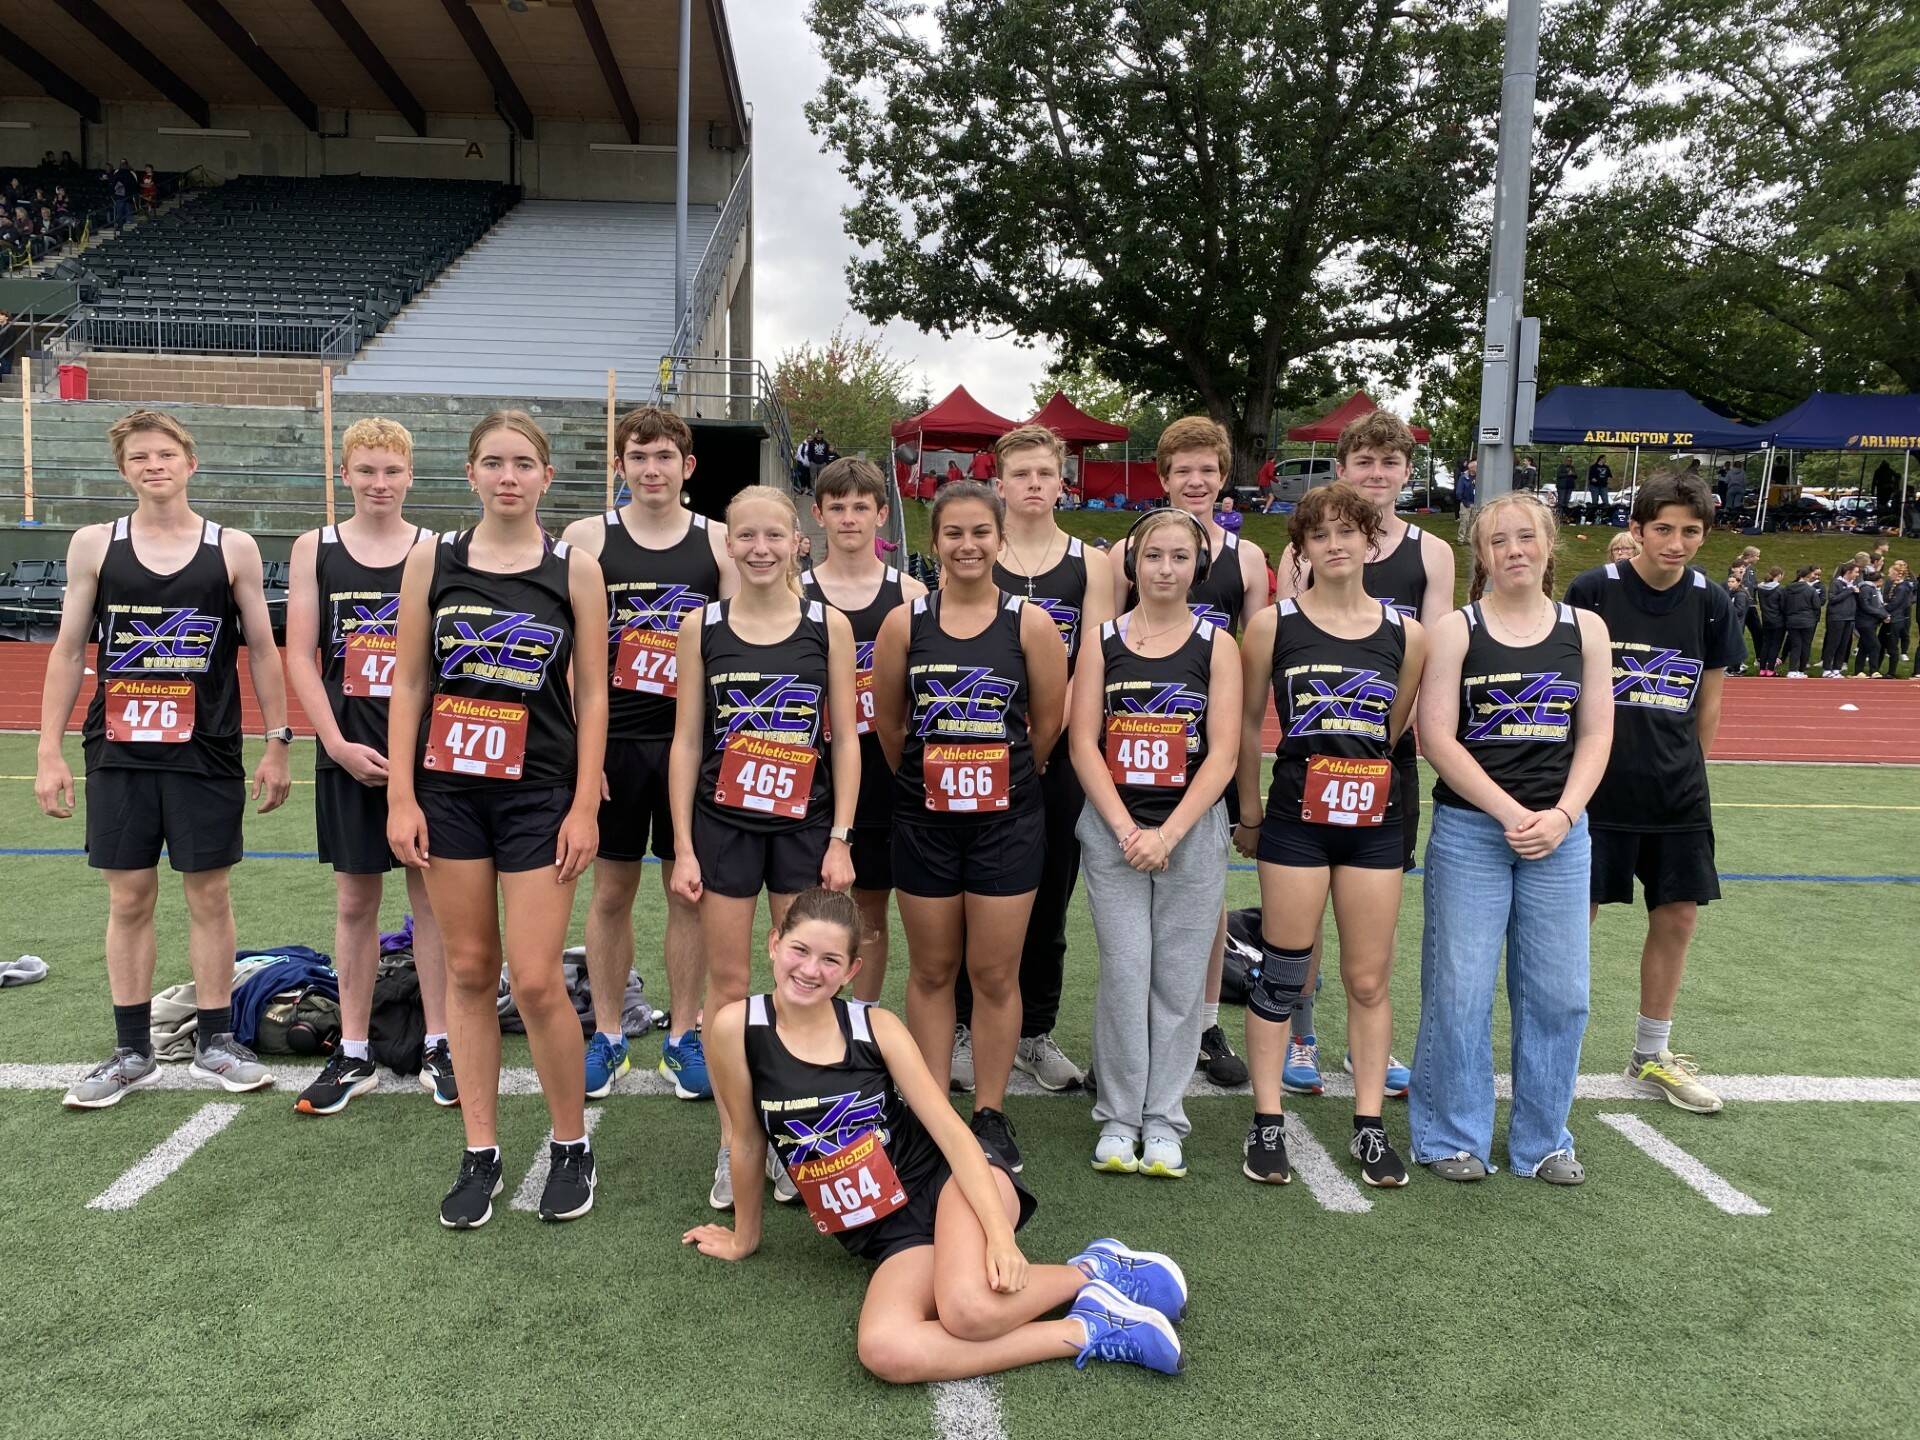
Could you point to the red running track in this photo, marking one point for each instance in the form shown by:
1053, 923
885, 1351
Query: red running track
1867, 722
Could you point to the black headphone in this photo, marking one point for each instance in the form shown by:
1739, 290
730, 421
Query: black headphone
1202, 560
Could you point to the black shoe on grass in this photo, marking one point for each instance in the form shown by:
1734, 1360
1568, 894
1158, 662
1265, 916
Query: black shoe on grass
995, 1133
570, 1178
339, 1080
1223, 1067
1380, 1166
469, 1205
1265, 1149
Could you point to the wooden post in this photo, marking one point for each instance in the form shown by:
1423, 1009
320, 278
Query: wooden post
26, 439
610, 455
326, 424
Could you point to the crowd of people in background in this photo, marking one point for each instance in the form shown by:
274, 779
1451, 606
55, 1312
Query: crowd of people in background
44, 212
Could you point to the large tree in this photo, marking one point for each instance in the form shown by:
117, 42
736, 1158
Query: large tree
851, 386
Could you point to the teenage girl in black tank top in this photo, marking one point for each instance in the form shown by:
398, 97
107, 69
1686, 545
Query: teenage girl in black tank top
494, 789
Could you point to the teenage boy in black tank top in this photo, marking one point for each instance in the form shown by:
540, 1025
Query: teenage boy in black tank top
1672, 630
850, 506
343, 604
662, 562
170, 596
1413, 572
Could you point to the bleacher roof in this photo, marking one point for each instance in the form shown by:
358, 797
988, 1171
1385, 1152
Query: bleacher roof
562, 59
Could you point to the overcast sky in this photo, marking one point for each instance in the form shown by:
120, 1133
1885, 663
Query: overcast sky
800, 248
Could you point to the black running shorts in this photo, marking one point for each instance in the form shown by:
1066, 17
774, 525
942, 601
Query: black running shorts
1306, 846
991, 857
351, 821
911, 1226
516, 829
1671, 865
132, 814
636, 773
740, 863
872, 847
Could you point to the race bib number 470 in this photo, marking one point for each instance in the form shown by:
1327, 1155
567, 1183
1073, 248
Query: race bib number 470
854, 1186
966, 777
155, 712
1346, 792
487, 738
646, 662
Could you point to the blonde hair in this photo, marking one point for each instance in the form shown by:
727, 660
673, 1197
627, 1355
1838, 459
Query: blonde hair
1633, 545
376, 432
520, 423
1030, 437
1480, 525
1194, 432
157, 420
767, 495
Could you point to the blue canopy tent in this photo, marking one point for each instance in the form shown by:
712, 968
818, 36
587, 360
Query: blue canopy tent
1825, 421
1630, 418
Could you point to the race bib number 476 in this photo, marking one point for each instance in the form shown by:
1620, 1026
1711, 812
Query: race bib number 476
369, 666
1346, 792
156, 712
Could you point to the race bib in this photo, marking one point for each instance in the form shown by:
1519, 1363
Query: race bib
863, 701
647, 661
966, 777
1346, 792
152, 712
369, 669
855, 1186
487, 738
769, 777
1147, 750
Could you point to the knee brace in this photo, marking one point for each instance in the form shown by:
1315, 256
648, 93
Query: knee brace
1274, 987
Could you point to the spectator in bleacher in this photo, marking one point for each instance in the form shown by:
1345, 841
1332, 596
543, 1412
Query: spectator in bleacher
817, 453
67, 163
6, 348
122, 185
46, 161
149, 191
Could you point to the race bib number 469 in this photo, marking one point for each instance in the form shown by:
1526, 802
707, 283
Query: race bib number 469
966, 777
1147, 749
646, 662
369, 669
155, 712
487, 738
854, 1186
1346, 792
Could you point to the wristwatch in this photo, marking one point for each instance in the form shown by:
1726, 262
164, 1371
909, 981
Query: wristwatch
284, 735
842, 833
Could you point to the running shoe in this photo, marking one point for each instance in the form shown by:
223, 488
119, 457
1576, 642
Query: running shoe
684, 1062
1145, 1277
1038, 1056
960, 1074
570, 1180
720, 1197
1301, 1074
1115, 1155
1673, 1078
469, 1205
1380, 1164
1119, 1330
1796, 674
111, 1079
607, 1061
1162, 1158
339, 1080
995, 1133
1265, 1149
785, 1192
1399, 1077
1560, 1168
1223, 1067
225, 1059
436, 1074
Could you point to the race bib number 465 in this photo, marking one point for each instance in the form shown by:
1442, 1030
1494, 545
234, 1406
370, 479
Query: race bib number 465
156, 712
1346, 792
770, 777
854, 1186
487, 738
369, 668
966, 777
1147, 749
646, 662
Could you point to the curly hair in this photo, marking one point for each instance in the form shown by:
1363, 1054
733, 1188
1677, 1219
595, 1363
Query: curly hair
1324, 504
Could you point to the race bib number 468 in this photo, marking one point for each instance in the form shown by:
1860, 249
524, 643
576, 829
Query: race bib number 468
156, 712
1346, 792
486, 738
1147, 749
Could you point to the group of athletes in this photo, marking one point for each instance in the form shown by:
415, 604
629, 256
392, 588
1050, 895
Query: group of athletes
836, 735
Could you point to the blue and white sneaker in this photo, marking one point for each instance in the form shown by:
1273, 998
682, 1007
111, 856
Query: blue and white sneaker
684, 1063
1145, 1277
606, 1062
1399, 1077
1301, 1074
1118, 1329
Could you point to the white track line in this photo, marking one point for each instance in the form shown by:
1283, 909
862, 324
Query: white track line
1669, 1156
166, 1157
967, 1410
1327, 1181
527, 1197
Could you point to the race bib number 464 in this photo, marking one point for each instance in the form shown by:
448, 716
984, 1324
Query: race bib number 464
854, 1186
487, 738
966, 777
369, 669
155, 712
646, 662
1346, 792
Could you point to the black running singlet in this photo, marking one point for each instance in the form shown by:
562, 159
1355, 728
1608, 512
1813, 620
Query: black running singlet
359, 620
1518, 707
966, 757
874, 808
500, 706
1060, 590
811, 1112
766, 708
1168, 687
648, 593
167, 689
1398, 579
1218, 598
1335, 698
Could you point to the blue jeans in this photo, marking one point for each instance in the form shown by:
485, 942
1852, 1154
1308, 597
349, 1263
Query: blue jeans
1480, 895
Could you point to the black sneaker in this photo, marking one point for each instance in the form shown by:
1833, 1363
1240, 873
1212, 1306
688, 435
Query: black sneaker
995, 1133
569, 1192
1379, 1165
1266, 1150
1223, 1067
436, 1074
339, 1080
469, 1205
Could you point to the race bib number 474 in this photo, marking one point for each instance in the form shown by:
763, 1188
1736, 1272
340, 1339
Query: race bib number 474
155, 712
369, 666
1346, 792
647, 662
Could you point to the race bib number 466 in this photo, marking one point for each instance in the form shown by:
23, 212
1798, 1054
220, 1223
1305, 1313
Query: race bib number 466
854, 1186
487, 738
1346, 792
1147, 749
770, 777
966, 777
646, 662
369, 668
156, 712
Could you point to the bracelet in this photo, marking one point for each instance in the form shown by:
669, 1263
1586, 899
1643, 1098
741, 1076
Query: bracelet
1569, 817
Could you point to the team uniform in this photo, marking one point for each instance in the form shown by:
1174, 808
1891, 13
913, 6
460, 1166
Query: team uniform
869, 1172
359, 609
966, 803
162, 731
498, 746
763, 804
1651, 815
649, 592
872, 843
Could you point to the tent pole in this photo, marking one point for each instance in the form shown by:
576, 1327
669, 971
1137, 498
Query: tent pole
1766, 490
1900, 520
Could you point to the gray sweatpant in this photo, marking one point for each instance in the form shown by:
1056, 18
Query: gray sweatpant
1155, 934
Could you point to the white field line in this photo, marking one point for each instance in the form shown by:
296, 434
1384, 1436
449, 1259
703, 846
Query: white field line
166, 1157
1669, 1156
527, 1197
1329, 1184
967, 1410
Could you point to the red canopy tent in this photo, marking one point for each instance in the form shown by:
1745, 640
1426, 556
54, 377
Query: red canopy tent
1075, 426
1329, 425
959, 422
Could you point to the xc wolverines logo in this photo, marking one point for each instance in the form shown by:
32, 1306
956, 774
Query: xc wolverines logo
764, 705
357, 617
848, 1117
1174, 699
512, 649
1354, 704
975, 703
150, 638
1213, 617
1065, 617
1540, 709
1654, 679
661, 607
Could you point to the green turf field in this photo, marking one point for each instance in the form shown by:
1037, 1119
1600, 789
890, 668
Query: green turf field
290, 1279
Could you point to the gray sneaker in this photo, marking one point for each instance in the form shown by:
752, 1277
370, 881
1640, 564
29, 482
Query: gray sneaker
120, 1072
225, 1059
785, 1192
1039, 1057
720, 1197
1560, 1168
961, 1075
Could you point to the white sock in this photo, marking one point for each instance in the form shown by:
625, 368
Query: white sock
581, 1143
616, 1036
1209, 1014
433, 1040
356, 1049
1650, 1036
492, 1152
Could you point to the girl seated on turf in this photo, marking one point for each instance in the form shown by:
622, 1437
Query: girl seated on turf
870, 1139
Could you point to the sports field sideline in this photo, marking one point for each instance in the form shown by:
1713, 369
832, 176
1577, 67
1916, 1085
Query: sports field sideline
1749, 1274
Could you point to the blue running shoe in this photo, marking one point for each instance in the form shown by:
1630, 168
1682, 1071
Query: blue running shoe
1399, 1077
1118, 1329
1301, 1074
684, 1063
606, 1062
1145, 1277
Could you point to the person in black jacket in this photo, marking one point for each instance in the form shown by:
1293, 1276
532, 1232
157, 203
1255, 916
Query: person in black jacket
1799, 614
1741, 603
1900, 599
1867, 620
1769, 599
1842, 606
